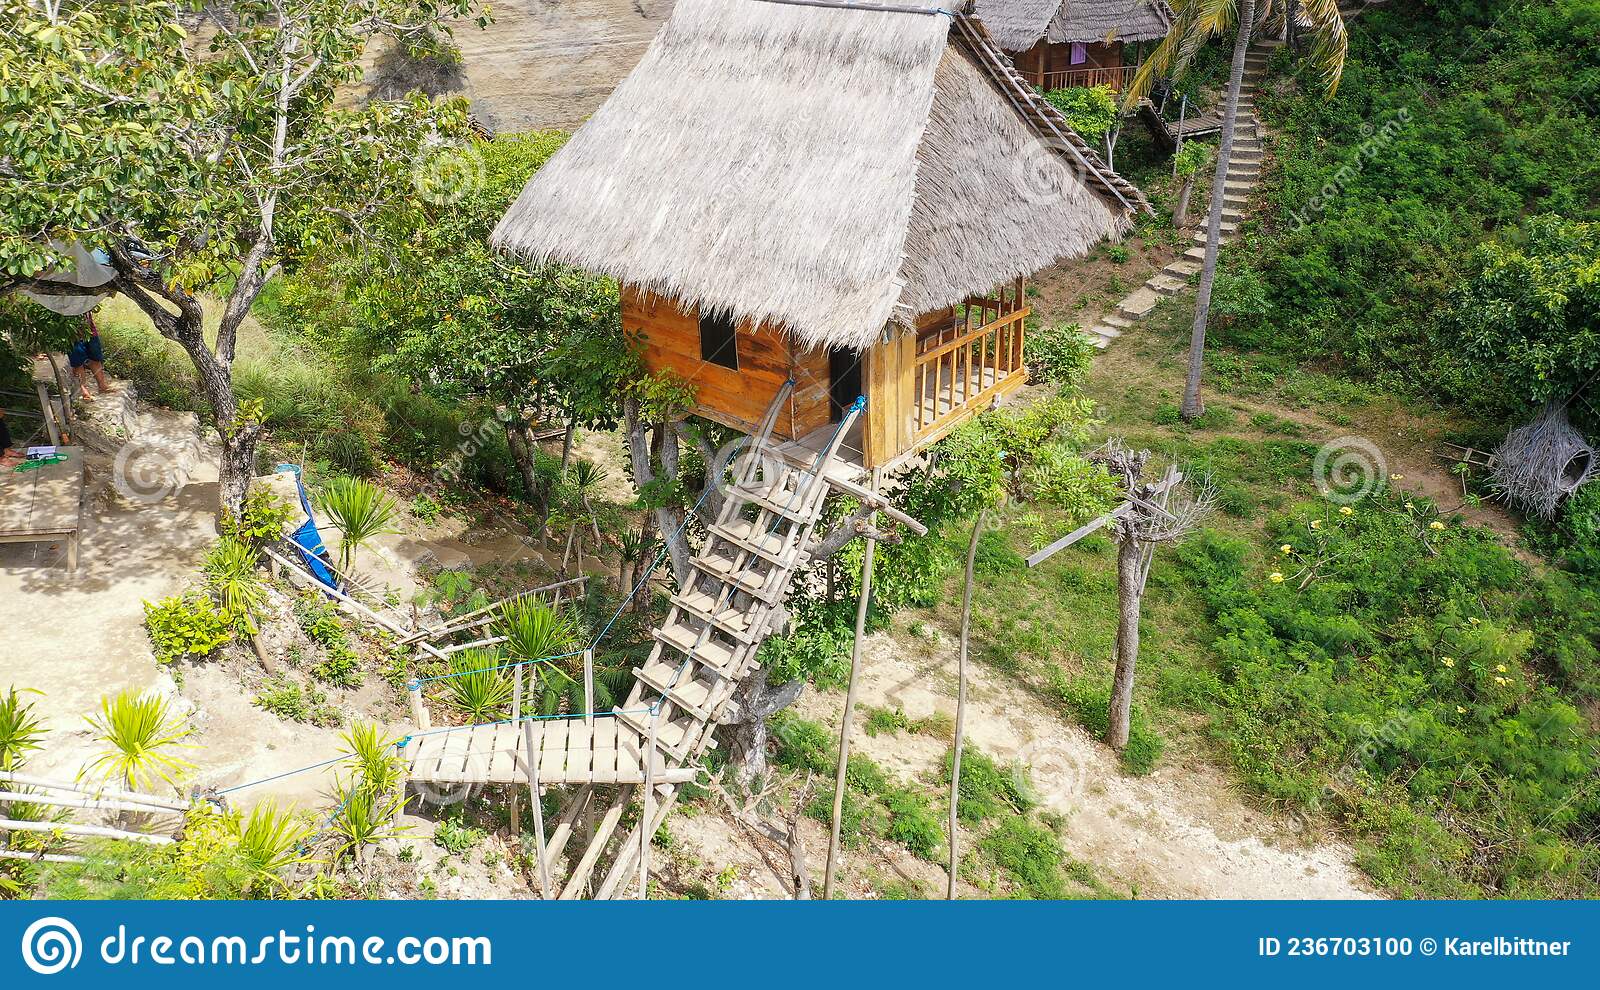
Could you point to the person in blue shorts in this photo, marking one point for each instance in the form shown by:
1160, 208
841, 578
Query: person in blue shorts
86, 357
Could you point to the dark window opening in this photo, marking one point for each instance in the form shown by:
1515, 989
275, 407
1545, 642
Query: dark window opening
719, 341
844, 382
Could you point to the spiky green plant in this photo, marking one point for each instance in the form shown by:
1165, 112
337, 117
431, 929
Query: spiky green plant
536, 631
364, 819
478, 691
361, 510
140, 733
372, 758
272, 839
20, 730
230, 569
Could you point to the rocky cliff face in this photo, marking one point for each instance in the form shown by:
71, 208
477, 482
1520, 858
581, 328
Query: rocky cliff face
541, 64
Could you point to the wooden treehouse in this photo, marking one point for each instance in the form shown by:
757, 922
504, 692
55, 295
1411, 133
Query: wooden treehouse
762, 232
805, 204
1059, 44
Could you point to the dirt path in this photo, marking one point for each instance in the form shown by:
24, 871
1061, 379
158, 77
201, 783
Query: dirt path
1178, 833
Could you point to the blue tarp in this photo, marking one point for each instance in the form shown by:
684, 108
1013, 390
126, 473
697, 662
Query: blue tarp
307, 540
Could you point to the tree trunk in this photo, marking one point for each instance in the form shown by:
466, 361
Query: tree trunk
641, 568
1291, 27
1192, 406
845, 721
665, 441
745, 723
1130, 559
1180, 213
238, 461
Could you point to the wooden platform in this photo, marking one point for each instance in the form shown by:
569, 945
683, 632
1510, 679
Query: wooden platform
44, 505
571, 751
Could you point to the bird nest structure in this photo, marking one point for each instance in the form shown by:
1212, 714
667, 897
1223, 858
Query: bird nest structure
1540, 464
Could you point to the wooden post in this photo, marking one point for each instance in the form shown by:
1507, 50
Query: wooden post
588, 686
850, 705
538, 809
961, 705
647, 808
419, 711
516, 717
48, 411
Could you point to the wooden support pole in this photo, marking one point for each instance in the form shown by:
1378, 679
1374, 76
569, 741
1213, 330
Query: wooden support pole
961, 706
597, 845
516, 717
538, 809
84, 802
646, 833
849, 708
588, 686
97, 793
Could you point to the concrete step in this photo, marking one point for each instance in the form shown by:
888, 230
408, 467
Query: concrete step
1183, 269
1121, 323
1139, 303
1101, 330
1197, 253
1167, 285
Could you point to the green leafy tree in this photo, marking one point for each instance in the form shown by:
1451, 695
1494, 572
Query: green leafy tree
202, 165
432, 301
1531, 308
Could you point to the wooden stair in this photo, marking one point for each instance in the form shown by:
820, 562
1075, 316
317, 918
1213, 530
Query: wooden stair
707, 644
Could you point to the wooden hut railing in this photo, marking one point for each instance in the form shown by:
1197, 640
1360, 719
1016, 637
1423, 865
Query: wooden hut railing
1115, 76
963, 363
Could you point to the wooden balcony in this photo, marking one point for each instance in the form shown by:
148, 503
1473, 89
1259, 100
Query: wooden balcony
962, 365
1115, 76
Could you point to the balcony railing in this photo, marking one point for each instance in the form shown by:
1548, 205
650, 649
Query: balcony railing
962, 364
1115, 76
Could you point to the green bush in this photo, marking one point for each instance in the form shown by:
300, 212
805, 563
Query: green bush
1579, 531
915, 823
1090, 110
1060, 353
1030, 855
187, 625
1090, 706
987, 789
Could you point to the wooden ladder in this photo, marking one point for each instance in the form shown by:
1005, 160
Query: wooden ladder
717, 622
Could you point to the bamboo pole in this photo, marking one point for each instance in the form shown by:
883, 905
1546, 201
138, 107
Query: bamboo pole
961, 704
86, 803
73, 828
538, 809
38, 858
12, 777
850, 706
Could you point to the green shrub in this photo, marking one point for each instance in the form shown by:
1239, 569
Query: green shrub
187, 625
1090, 110
987, 789
284, 697
478, 690
914, 823
1090, 706
1060, 353
1579, 530
1030, 856
803, 744
886, 721
1060, 477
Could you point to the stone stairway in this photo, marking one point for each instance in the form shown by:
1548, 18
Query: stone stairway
1244, 171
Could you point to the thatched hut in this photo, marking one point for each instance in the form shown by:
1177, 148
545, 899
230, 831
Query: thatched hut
1058, 44
850, 197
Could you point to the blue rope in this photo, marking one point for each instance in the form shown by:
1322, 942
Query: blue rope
416, 683
525, 718
290, 773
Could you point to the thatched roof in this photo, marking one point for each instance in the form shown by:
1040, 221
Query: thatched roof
1018, 25
823, 169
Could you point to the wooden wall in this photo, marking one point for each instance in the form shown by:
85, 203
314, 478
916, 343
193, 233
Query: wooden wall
740, 398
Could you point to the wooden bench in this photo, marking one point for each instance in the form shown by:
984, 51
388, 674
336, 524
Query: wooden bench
45, 504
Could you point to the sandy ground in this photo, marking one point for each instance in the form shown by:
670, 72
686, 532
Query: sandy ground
1179, 833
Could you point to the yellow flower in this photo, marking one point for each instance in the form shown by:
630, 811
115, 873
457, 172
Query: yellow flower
1410, 506
1460, 710
1316, 524
1275, 577
1448, 661
1347, 511
1500, 680
1397, 477
1500, 667
1286, 549
1474, 619
1436, 524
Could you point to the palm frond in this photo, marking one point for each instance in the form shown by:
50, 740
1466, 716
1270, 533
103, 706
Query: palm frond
139, 732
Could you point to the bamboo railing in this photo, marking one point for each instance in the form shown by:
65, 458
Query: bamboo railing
962, 364
1115, 76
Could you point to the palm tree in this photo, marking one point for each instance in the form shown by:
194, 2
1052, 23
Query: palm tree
1194, 23
536, 631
